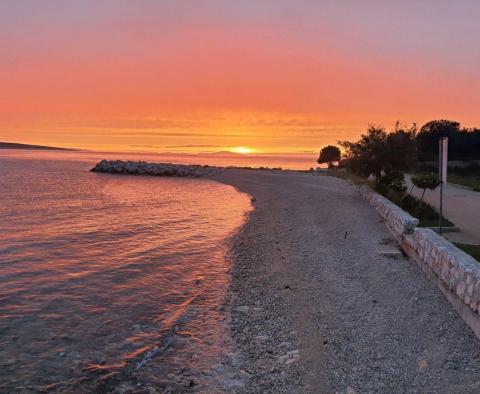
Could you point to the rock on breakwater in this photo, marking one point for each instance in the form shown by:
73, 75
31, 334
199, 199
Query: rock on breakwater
155, 169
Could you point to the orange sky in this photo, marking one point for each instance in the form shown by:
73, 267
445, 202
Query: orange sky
205, 75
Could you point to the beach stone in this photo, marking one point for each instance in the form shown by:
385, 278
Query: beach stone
233, 384
235, 359
293, 353
282, 359
291, 361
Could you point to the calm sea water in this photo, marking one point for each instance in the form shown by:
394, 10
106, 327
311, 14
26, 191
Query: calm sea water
109, 281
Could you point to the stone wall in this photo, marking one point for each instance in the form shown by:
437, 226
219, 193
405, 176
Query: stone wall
397, 220
455, 272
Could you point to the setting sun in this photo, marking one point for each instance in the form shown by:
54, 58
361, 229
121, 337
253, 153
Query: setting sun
242, 150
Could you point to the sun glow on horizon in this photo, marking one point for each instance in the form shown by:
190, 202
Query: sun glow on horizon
222, 76
244, 150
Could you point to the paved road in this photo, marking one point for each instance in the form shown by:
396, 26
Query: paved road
461, 206
364, 322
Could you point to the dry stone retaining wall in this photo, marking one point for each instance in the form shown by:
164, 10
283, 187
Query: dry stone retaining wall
456, 273
397, 220
459, 272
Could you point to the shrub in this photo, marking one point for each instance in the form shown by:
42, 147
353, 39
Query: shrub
394, 181
426, 181
427, 214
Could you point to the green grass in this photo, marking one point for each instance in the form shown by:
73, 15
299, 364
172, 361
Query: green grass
471, 181
423, 211
472, 250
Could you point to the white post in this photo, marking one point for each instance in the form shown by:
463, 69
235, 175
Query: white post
442, 169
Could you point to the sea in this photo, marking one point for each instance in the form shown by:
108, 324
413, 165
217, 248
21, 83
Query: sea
111, 283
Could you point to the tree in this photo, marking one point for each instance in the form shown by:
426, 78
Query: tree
329, 154
431, 132
463, 143
383, 154
368, 154
402, 150
426, 181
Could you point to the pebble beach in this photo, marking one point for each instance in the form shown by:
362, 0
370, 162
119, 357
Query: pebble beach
316, 306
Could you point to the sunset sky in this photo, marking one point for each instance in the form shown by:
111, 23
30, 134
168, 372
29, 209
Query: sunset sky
210, 75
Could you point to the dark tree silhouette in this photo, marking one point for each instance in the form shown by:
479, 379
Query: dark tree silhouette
329, 154
463, 143
383, 154
431, 132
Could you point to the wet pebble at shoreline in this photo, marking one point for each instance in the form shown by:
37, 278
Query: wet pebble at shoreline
268, 346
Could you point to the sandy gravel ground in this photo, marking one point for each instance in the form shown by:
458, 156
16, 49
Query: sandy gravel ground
315, 311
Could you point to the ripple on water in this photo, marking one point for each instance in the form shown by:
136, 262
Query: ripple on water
110, 280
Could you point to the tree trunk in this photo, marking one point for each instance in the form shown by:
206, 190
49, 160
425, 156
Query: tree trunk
420, 205
421, 200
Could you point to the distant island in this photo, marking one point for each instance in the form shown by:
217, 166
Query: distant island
12, 145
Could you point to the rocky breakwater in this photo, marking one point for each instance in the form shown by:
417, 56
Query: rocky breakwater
154, 169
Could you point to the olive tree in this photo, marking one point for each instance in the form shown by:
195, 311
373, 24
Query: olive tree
385, 155
329, 154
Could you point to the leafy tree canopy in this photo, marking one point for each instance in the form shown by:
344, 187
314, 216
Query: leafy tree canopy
329, 154
382, 153
463, 143
426, 181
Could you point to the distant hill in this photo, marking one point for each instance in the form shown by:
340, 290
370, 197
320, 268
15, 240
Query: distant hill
12, 145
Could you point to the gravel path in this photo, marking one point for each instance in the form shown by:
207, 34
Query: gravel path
313, 311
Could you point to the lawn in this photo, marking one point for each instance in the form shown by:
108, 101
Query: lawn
471, 181
472, 250
423, 211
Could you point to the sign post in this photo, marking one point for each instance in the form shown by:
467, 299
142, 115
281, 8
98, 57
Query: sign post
442, 173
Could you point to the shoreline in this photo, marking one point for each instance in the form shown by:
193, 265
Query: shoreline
312, 312
250, 318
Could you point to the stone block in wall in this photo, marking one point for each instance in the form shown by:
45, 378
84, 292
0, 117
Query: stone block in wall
397, 220
458, 271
